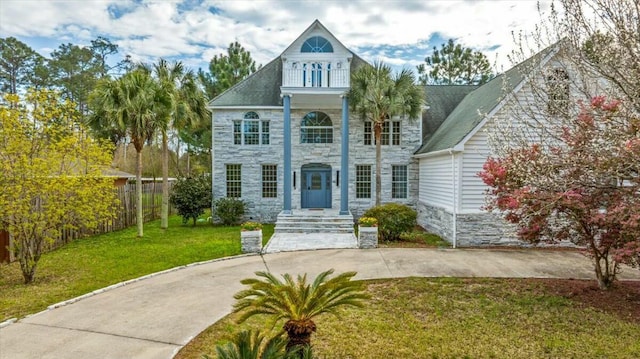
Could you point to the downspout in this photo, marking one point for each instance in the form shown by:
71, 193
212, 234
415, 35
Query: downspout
455, 207
212, 164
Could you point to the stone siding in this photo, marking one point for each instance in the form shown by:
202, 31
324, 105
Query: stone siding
473, 229
367, 237
482, 229
251, 157
436, 220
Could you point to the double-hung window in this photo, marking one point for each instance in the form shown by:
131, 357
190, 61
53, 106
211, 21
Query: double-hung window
269, 181
251, 130
234, 180
363, 181
399, 180
390, 133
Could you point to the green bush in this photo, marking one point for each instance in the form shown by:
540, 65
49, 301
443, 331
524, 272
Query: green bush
191, 196
229, 210
393, 220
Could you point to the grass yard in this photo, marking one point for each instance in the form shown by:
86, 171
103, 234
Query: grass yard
96, 262
471, 318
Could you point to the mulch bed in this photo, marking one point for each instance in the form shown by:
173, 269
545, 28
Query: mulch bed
622, 300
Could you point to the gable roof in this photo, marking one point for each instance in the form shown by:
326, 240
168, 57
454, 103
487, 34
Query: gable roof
316, 24
472, 110
441, 100
262, 88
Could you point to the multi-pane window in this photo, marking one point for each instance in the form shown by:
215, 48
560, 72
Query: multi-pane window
363, 181
399, 181
316, 44
251, 130
390, 133
316, 127
558, 91
234, 180
269, 181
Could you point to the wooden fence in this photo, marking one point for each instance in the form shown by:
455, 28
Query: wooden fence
125, 216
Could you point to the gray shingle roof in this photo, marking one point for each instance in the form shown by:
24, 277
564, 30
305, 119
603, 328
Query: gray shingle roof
471, 110
441, 101
262, 88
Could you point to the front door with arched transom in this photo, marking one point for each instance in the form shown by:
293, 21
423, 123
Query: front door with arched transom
316, 186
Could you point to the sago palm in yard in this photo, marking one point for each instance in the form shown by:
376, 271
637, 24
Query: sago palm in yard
298, 303
252, 345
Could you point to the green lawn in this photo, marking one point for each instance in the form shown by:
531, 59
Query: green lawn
95, 262
457, 318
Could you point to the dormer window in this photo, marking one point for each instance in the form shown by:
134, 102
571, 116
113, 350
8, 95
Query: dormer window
316, 44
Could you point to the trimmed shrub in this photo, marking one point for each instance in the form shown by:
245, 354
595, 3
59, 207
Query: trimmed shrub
393, 220
190, 196
229, 210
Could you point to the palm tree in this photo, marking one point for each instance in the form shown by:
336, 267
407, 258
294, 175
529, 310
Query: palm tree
130, 103
378, 96
298, 302
251, 345
187, 109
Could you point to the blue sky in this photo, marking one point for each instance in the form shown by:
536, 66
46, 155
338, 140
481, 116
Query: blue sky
397, 32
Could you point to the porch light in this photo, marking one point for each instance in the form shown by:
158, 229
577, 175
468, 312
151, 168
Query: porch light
339, 64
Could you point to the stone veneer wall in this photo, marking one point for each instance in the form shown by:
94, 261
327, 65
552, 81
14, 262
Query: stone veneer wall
252, 157
436, 220
473, 229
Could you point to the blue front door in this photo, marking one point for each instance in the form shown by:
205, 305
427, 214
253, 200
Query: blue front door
316, 187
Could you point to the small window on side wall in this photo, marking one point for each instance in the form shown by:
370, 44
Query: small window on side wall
557, 91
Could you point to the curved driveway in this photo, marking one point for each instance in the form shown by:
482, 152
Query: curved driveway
156, 316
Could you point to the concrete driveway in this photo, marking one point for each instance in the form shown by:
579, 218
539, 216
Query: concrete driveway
156, 316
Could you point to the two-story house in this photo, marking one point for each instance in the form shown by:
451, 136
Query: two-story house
284, 138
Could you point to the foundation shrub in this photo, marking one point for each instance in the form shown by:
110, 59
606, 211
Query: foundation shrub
393, 220
229, 210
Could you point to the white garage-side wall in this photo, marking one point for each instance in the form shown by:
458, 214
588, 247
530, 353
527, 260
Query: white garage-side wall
437, 195
472, 188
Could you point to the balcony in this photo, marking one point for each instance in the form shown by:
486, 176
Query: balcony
315, 75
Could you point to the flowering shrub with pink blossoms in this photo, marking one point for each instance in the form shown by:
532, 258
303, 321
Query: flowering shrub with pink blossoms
583, 187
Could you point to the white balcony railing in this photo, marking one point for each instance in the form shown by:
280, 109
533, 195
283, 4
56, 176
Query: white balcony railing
315, 74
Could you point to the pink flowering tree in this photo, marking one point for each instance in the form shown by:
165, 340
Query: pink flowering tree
583, 187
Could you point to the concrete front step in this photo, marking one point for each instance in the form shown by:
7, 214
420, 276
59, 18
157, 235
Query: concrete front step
314, 221
313, 230
282, 242
316, 224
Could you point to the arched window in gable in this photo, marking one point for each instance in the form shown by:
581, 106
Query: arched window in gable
316, 44
316, 127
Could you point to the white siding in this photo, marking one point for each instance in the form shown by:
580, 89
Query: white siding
436, 187
473, 189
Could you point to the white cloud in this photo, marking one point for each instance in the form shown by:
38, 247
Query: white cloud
189, 30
